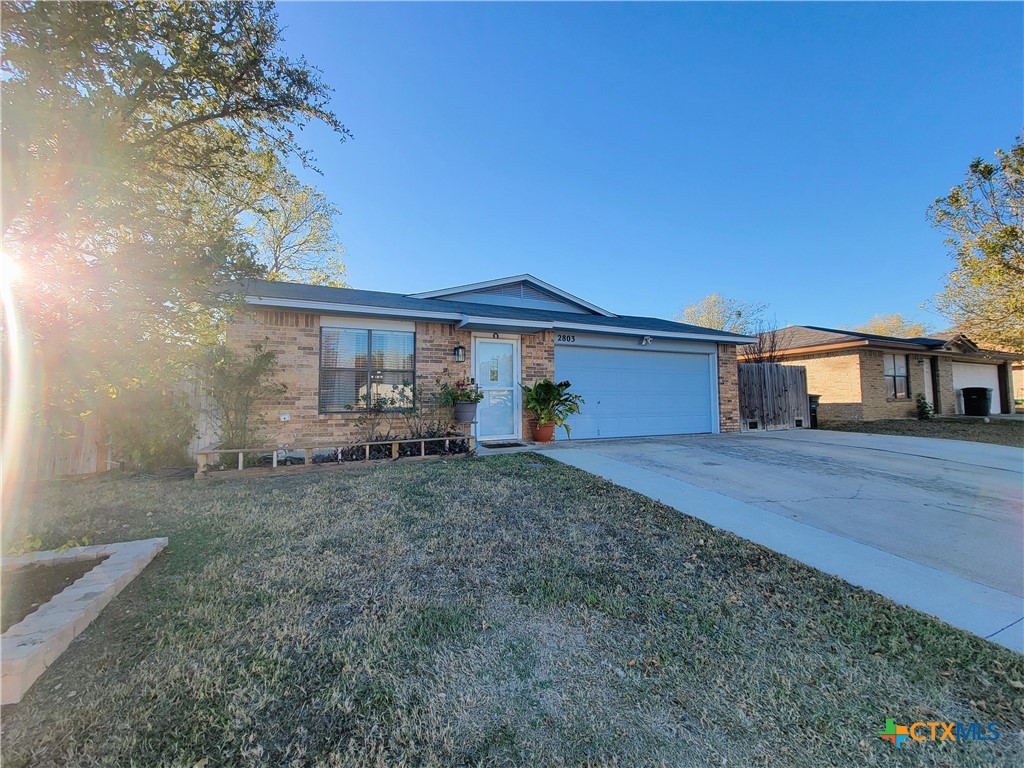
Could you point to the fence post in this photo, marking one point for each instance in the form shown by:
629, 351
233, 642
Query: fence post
241, 460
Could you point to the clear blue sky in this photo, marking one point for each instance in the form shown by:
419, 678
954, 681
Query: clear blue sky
642, 156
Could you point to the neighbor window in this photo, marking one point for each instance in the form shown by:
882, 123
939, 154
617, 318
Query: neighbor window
360, 367
896, 376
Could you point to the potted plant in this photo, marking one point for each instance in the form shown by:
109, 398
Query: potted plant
550, 405
460, 394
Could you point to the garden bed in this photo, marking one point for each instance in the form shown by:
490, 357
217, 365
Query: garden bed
385, 449
28, 587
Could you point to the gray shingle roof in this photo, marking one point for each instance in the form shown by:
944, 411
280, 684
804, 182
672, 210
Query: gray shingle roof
800, 336
265, 289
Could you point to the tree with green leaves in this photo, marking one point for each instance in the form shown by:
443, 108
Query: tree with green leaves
134, 135
983, 218
724, 314
893, 325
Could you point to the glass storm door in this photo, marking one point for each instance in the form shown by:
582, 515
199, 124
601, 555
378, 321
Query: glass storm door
496, 369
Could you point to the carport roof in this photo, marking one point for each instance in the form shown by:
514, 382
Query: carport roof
470, 315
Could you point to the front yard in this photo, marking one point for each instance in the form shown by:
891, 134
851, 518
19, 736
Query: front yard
499, 611
998, 431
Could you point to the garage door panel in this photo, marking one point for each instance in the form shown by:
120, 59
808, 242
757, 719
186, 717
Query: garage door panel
979, 375
637, 392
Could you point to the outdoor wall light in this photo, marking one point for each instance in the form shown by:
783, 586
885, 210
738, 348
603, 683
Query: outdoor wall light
460, 354
646, 341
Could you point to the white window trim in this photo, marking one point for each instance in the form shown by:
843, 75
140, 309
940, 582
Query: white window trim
366, 323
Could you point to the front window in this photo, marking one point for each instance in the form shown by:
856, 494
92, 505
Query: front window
896, 386
361, 367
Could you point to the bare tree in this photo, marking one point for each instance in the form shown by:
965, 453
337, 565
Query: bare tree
767, 347
723, 313
293, 231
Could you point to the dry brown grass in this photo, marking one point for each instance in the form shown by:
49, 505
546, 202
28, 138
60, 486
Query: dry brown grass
998, 431
500, 611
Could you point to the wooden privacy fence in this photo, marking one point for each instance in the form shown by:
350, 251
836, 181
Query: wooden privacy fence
773, 396
71, 446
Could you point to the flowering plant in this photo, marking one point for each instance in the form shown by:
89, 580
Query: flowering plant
451, 392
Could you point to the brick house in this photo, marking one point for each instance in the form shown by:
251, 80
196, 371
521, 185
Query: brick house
638, 375
865, 377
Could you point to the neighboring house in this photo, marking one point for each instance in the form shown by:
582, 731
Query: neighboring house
864, 377
638, 375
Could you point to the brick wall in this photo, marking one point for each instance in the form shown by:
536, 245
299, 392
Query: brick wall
435, 351
836, 377
728, 389
878, 404
296, 339
538, 362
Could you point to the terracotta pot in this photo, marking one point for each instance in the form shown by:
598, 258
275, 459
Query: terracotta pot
542, 433
465, 413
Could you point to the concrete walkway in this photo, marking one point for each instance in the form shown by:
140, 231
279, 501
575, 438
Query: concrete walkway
967, 603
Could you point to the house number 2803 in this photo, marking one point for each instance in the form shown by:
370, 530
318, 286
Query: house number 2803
568, 338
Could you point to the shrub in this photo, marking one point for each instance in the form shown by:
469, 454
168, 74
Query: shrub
925, 410
236, 383
150, 427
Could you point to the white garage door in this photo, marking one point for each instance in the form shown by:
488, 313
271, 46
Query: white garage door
975, 375
632, 393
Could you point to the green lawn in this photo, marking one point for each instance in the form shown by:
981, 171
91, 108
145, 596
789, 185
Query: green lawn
499, 611
998, 431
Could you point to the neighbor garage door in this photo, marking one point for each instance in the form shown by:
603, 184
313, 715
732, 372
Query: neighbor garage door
632, 393
976, 375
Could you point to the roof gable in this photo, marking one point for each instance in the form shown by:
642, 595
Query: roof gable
517, 291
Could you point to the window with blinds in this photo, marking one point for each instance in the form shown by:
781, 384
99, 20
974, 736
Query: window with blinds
360, 368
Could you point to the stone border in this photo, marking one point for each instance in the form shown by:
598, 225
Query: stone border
30, 646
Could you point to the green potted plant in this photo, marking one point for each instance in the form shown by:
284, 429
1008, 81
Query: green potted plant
550, 405
460, 394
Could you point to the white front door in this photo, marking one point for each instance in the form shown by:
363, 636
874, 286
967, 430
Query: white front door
496, 369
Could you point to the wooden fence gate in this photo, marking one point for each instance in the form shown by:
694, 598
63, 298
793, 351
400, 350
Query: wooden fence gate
773, 396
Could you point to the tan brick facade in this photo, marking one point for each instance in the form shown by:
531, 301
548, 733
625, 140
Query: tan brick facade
852, 384
877, 402
945, 395
835, 376
538, 362
728, 389
295, 337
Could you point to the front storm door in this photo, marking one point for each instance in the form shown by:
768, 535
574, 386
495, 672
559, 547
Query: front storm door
496, 370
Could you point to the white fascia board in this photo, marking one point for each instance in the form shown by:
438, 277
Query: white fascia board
351, 309
514, 279
462, 319
540, 325
655, 334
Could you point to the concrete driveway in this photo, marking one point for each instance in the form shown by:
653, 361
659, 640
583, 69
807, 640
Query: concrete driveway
936, 524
